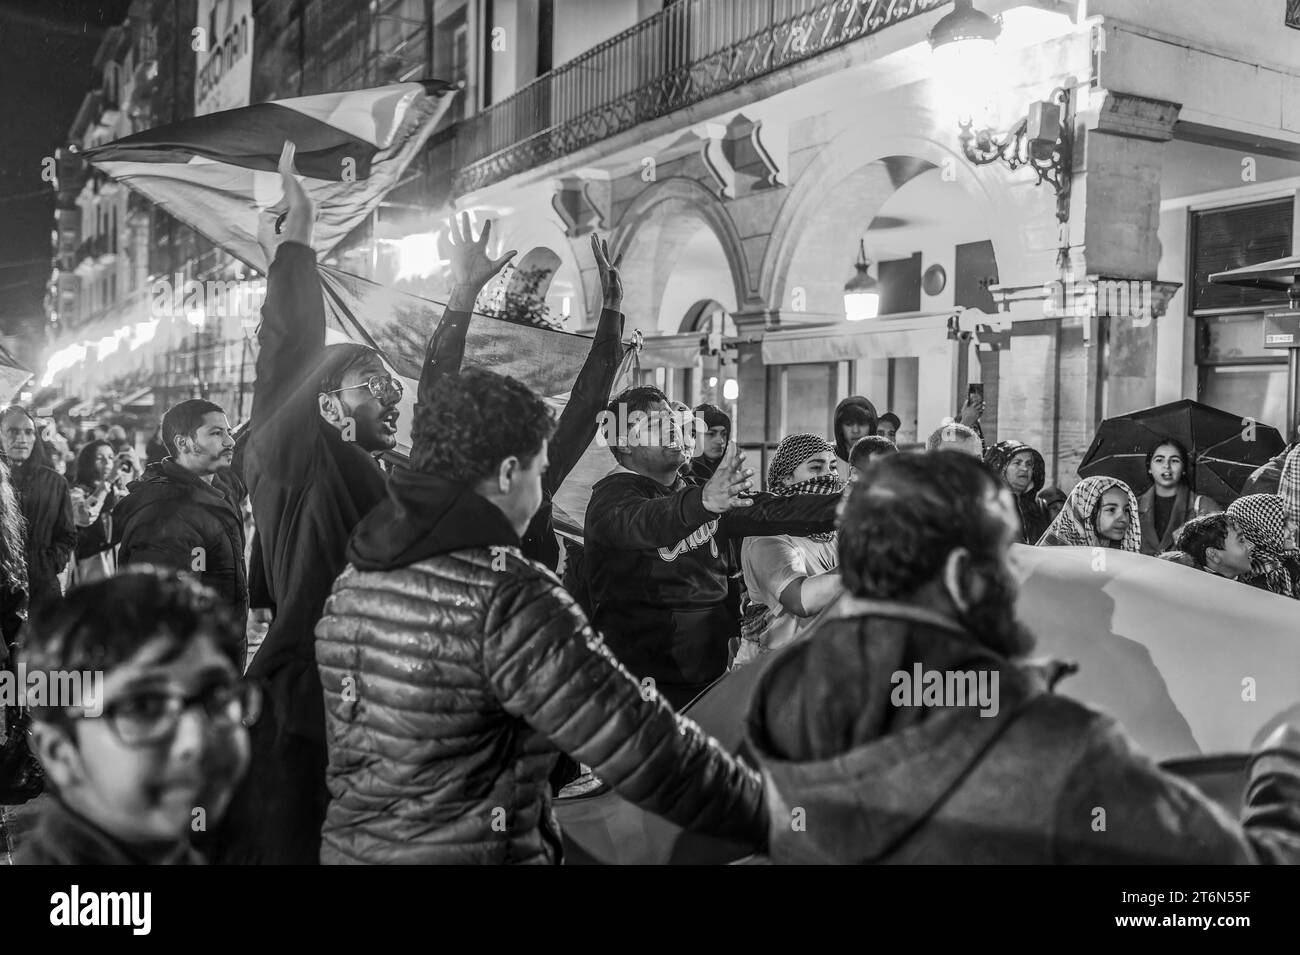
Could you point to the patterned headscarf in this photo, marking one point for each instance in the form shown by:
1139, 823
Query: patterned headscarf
1262, 519
1288, 486
1075, 523
793, 451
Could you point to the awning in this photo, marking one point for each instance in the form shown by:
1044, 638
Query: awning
876, 338
80, 410
671, 351
144, 398
59, 407
1277, 274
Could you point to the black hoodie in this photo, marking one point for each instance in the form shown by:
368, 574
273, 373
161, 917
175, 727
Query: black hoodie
424, 516
842, 448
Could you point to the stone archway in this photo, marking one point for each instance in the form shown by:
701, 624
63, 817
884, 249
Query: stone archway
678, 246
871, 145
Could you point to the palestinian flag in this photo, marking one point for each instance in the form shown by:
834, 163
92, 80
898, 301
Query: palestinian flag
217, 173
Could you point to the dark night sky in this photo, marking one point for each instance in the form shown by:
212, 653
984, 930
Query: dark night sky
46, 50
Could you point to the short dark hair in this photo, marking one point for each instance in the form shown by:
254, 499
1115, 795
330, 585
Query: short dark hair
1201, 533
906, 514
954, 431
185, 418
871, 446
337, 360
1185, 478
473, 422
101, 625
641, 398
890, 416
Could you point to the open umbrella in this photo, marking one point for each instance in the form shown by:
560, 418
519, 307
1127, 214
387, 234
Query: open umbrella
1225, 448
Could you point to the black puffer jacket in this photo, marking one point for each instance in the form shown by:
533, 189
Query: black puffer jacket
1033, 516
454, 670
171, 513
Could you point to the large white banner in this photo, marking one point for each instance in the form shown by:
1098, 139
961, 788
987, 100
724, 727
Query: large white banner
223, 46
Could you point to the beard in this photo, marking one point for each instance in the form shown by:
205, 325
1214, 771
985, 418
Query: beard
992, 619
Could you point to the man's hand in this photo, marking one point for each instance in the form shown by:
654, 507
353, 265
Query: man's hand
298, 209
471, 266
611, 284
729, 482
971, 411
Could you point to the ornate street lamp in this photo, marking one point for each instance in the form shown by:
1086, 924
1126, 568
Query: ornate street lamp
1043, 140
862, 292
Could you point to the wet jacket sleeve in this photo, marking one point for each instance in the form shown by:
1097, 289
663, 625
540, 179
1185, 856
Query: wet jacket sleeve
1119, 807
621, 515
63, 536
291, 340
445, 354
797, 514
549, 668
590, 394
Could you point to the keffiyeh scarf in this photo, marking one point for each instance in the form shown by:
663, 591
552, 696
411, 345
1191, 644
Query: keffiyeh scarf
1076, 522
793, 451
1262, 519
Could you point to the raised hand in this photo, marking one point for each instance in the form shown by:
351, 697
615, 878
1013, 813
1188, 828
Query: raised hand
471, 266
299, 212
611, 284
729, 483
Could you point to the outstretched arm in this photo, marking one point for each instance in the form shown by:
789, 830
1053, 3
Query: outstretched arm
291, 337
577, 424
471, 268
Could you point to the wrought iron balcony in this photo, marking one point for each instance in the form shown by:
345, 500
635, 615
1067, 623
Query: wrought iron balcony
691, 51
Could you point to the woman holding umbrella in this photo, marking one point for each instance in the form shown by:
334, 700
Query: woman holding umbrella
1169, 503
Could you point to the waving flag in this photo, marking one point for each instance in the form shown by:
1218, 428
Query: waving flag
217, 173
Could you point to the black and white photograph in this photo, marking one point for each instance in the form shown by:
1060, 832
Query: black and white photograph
651, 433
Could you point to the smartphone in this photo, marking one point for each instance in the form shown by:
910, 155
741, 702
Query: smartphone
974, 392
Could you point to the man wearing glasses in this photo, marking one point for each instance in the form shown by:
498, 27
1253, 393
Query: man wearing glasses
150, 763
321, 414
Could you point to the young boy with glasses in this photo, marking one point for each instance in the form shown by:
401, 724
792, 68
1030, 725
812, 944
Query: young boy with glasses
137, 774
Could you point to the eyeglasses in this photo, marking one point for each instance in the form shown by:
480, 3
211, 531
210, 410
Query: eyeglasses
385, 388
150, 718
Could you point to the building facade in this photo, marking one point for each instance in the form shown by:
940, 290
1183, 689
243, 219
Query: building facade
737, 154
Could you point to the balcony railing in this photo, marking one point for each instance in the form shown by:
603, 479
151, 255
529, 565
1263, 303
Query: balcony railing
684, 55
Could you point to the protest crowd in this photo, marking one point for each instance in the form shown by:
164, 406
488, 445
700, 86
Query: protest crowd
431, 664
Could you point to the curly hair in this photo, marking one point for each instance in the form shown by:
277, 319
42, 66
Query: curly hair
1201, 533
907, 513
474, 421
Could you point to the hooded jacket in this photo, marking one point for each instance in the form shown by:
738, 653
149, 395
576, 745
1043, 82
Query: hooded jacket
882, 780
174, 518
46, 503
657, 567
842, 448
1033, 516
455, 670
